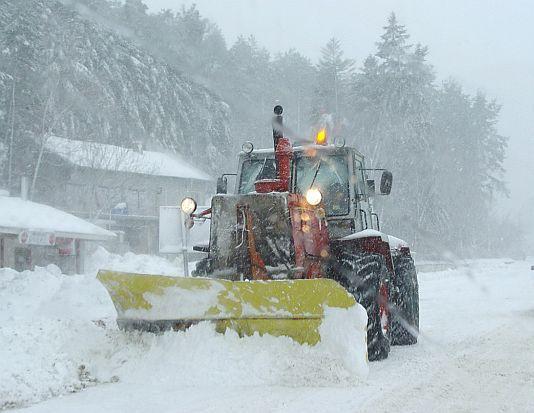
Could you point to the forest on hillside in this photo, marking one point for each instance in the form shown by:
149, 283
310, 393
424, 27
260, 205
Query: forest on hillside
71, 77
111, 71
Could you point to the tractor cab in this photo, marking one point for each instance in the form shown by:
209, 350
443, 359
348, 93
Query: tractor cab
288, 207
336, 174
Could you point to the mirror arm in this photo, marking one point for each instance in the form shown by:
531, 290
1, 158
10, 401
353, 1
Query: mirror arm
222, 183
363, 215
374, 214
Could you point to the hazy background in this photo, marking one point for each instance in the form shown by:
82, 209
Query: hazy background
486, 45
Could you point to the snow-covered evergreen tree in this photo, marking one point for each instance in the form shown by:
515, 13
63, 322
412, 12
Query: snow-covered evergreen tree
293, 76
6, 113
334, 73
392, 123
441, 145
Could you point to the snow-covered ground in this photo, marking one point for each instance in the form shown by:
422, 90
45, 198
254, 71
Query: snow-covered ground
58, 343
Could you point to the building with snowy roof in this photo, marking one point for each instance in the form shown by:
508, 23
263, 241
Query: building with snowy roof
119, 188
32, 234
114, 158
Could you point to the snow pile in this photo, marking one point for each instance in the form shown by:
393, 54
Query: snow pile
129, 262
344, 332
58, 335
194, 304
202, 357
46, 332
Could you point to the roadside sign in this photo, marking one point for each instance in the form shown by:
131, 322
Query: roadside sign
37, 238
66, 246
172, 230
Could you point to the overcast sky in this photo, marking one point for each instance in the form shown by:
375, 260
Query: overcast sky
485, 44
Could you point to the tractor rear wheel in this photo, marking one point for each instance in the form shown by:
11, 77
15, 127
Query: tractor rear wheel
362, 274
405, 297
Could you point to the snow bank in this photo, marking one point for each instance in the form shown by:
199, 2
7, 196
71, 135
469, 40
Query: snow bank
47, 332
202, 357
129, 262
58, 335
344, 333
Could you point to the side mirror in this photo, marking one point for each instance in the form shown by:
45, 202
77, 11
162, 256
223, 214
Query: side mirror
385, 182
222, 185
371, 187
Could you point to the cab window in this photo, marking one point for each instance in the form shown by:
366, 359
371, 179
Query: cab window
359, 177
330, 175
254, 170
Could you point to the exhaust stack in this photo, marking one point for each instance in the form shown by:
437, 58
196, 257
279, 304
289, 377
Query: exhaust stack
283, 153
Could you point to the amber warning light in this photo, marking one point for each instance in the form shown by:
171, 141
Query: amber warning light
320, 139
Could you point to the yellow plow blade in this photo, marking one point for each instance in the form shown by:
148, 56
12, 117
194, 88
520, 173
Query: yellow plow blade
293, 308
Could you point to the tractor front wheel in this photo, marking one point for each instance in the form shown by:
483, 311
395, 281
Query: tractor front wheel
405, 311
363, 274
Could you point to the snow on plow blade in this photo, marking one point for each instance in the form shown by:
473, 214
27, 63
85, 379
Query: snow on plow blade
293, 308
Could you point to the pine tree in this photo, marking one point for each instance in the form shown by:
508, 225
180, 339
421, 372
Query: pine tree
249, 88
6, 119
334, 73
21, 45
393, 48
134, 13
392, 123
491, 145
294, 75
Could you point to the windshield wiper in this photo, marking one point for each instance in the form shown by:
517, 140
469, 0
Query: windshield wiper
316, 172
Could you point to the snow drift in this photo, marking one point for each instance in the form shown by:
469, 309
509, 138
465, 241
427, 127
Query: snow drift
58, 335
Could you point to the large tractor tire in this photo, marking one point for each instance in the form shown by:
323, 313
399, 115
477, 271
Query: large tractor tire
405, 297
362, 274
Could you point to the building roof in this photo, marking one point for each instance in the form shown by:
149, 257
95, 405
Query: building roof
116, 158
17, 215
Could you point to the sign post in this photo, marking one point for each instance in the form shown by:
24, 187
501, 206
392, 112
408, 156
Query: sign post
185, 242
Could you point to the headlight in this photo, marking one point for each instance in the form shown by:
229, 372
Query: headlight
313, 196
188, 206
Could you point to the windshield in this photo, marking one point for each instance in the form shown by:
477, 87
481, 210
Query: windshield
330, 175
253, 170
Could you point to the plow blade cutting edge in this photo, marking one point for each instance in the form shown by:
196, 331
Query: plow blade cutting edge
293, 308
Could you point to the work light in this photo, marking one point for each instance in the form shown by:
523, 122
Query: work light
188, 205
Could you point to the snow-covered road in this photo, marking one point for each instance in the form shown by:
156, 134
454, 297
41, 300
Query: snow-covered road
475, 353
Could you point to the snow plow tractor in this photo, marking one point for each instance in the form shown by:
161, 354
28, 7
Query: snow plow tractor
297, 236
